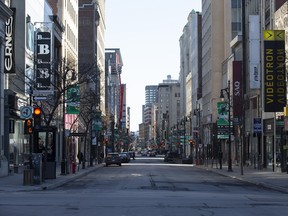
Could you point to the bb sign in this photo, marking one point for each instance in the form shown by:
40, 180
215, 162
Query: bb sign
43, 63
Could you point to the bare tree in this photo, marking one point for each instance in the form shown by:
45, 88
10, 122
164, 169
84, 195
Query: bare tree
65, 75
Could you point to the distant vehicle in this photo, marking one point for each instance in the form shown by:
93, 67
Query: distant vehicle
144, 153
170, 156
125, 157
152, 153
132, 154
113, 158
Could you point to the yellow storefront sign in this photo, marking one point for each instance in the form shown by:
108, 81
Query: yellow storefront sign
274, 35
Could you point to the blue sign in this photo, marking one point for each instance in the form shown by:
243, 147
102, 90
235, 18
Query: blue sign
257, 125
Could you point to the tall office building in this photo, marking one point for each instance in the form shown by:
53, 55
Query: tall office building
213, 36
151, 93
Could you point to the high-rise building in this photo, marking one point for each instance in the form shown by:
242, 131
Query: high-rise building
151, 98
191, 75
114, 65
151, 93
91, 43
168, 109
213, 38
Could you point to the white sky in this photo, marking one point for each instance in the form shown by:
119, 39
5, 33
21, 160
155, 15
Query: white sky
147, 33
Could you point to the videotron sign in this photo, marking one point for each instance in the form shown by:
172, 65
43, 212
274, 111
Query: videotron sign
274, 71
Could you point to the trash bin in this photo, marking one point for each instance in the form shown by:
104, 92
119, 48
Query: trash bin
49, 169
28, 177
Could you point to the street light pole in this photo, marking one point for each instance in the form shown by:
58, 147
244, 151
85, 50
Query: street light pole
63, 161
229, 134
66, 70
197, 136
184, 144
227, 90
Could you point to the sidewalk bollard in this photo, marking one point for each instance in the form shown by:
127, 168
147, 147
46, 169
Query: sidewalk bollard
73, 167
28, 177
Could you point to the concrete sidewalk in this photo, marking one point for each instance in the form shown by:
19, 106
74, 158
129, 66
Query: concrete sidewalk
14, 182
265, 178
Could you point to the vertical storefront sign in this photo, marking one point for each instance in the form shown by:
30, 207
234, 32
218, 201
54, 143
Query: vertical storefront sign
254, 50
274, 85
9, 56
237, 89
43, 64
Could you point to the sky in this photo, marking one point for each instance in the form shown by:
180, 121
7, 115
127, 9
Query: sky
147, 32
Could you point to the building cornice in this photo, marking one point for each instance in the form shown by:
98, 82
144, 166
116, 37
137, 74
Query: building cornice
5, 12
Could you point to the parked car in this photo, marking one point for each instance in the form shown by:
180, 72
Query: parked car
113, 158
125, 157
170, 156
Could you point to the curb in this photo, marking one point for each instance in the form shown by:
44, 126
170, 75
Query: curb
55, 183
70, 178
260, 184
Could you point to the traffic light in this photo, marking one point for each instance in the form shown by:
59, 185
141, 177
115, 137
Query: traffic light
37, 115
28, 126
192, 142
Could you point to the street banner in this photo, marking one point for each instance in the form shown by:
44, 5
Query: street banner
73, 100
222, 121
222, 109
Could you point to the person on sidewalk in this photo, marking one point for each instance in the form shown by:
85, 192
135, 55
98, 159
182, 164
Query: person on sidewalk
80, 157
220, 159
101, 157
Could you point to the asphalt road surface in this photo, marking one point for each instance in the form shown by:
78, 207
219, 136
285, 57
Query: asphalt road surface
148, 187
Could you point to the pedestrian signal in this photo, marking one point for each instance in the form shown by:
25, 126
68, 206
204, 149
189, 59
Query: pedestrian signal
28, 126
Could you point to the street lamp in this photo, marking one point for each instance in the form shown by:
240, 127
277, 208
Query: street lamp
227, 91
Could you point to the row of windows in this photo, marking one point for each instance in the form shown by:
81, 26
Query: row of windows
71, 11
71, 37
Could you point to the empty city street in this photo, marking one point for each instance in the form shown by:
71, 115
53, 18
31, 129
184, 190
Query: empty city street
148, 186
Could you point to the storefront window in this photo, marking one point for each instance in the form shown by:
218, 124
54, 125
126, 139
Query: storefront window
269, 151
18, 146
